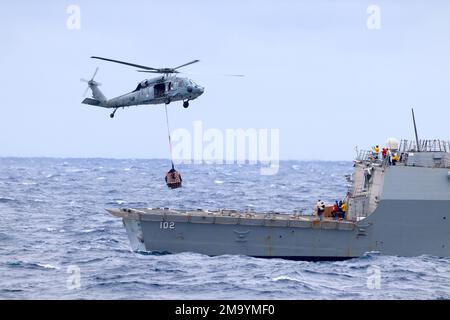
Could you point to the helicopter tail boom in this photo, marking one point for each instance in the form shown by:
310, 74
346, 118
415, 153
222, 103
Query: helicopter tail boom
99, 98
92, 102
96, 93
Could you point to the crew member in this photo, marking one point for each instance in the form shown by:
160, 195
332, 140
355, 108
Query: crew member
367, 175
320, 207
376, 151
384, 153
335, 211
343, 209
394, 158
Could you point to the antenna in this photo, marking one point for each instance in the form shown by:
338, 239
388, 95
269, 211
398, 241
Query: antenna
415, 130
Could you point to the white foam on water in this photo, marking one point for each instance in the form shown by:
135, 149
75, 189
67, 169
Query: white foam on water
28, 183
48, 266
281, 278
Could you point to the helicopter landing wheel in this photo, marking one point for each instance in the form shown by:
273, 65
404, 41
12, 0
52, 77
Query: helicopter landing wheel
112, 113
186, 104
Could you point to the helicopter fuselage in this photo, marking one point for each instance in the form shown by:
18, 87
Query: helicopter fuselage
163, 89
157, 91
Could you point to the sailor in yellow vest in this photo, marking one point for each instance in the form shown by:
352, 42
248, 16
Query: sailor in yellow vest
343, 209
394, 158
376, 151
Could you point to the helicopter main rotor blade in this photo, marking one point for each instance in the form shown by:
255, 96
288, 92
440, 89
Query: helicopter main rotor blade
125, 63
213, 74
186, 64
148, 71
95, 73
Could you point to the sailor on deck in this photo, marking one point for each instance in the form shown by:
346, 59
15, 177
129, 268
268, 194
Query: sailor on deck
376, 152
343, 210
320, 208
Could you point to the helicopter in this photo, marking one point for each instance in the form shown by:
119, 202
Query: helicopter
165, 89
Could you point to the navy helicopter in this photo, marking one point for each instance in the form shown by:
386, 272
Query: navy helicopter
164, 89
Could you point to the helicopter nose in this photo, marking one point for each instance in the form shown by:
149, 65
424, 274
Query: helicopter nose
200, 90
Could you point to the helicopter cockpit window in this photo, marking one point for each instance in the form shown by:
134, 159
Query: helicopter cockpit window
141, 85
138, 87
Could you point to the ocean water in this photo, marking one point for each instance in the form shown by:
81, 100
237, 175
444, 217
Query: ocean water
53, 221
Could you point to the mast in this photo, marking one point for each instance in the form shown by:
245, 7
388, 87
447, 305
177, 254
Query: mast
415, 130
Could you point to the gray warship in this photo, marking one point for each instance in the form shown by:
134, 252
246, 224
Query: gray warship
401, 209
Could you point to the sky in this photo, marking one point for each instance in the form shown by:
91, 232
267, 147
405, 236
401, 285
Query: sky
313, 69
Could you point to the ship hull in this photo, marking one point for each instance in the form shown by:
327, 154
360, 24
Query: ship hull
402, 228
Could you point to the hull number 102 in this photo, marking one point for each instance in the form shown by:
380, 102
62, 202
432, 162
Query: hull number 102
164, 225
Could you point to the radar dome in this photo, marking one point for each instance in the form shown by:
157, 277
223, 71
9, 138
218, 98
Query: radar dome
392, 143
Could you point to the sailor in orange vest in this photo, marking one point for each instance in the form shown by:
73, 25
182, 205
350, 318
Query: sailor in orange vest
173, 179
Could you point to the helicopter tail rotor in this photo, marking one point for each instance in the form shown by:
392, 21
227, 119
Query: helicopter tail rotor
99, 97
91, 83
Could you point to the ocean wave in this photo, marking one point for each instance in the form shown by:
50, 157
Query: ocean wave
29, 183
116, 202
38, 239
4, 236
31, 265
93, 230
286, 278
53, 175
7, 199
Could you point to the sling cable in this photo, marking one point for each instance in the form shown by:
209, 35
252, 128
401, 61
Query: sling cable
173, 177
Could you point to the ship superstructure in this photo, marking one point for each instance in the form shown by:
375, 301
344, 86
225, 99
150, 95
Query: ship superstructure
401, 209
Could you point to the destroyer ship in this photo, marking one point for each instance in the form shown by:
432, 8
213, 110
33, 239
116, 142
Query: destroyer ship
401, 209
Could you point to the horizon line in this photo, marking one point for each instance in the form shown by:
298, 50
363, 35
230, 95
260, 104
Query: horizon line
166, 159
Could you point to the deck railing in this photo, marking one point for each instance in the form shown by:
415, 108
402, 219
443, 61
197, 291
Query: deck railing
428, 145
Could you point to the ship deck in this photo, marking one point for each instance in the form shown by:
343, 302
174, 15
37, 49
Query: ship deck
232, 217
